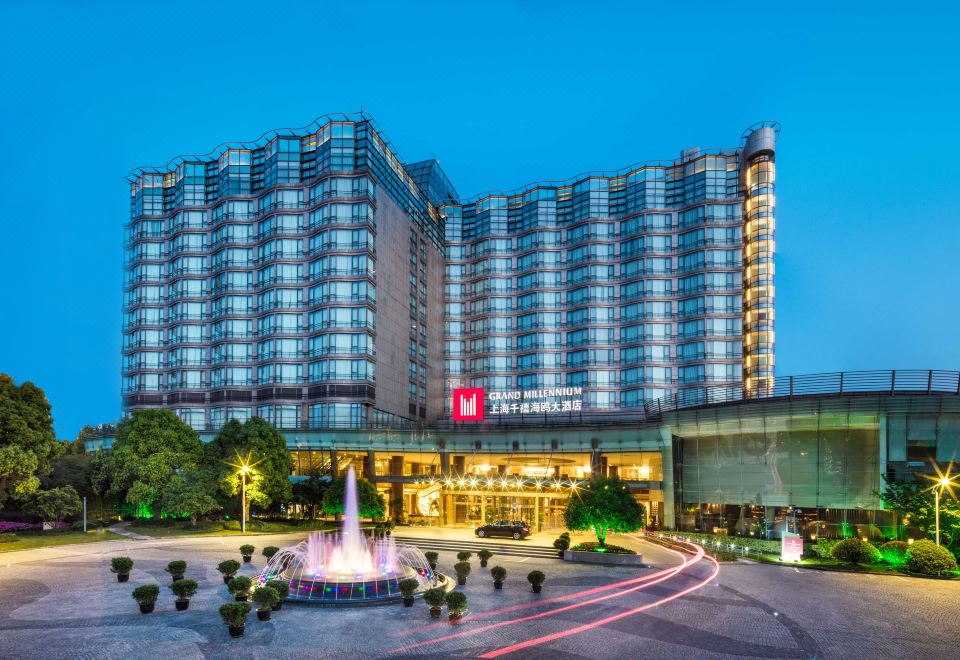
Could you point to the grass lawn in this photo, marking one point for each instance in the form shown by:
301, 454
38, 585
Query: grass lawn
183, 528
31, 541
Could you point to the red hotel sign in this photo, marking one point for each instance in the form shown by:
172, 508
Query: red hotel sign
468, 404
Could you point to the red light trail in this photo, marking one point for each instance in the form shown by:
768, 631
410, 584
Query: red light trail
638, 583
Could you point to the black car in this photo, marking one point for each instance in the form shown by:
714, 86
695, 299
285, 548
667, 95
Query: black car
516, 529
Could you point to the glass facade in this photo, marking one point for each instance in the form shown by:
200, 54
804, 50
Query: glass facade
298, 278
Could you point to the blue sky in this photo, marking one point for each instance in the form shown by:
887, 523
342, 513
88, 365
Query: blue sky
502, 93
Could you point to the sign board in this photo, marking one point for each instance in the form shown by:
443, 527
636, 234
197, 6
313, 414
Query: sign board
549, 400
468, 404
791, 547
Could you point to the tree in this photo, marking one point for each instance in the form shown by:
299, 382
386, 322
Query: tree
370, 503
309, 493
54, 504
603, 504
75, 470
190, 493
268, 454
151, 446
27, 441
100, 477
914, 503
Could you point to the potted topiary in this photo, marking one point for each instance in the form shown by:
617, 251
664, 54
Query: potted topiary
432, 557
408, 587
462, 569
484, 556
283, 590
270, 551
184, 590
456, 605
499, 574
146, 595
463, 555
246, 550
234, 615
388, 527
176, 569
122, 567
561, 544
536, 579
266, 598
240, 587
435, 598
228, 569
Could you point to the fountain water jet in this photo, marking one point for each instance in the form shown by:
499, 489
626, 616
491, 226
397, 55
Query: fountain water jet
347, 568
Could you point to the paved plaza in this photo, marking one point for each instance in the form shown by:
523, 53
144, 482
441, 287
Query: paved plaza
63, 602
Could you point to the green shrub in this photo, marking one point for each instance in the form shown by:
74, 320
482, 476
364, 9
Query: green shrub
121, 565
234, 614
265, 597
925, 556
408, 586
435, 597
282, 588
894, 553
240, 585
823, 548
498, 573
8, 537
432, 556
561, 542
593, 546
711, 540
536, 577
246, 549
228, 567
184, 589
456, 602
463, 555
855, 551
462, 569
177, 567
146, 593
484, 555
270, 551
565, 535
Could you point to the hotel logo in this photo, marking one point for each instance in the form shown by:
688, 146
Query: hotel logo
468, 404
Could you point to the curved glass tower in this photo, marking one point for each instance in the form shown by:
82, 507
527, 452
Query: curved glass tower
298, 278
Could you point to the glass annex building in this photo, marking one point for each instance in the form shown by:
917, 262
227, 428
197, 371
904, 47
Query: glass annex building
617, 323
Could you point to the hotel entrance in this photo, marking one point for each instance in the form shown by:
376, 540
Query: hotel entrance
541, 511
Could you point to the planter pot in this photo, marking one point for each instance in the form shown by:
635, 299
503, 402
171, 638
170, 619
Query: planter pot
236, 631
560, 554
241, 598
146, 608
123, 577
227, 578
408, 601
537, 588
497, 584
388, 532
455, 617
264, 615
276, 608
181, 605
483, 563
461, 581
246, 559
434, 612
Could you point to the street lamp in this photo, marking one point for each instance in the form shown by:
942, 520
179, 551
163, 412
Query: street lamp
940, 482
244, 470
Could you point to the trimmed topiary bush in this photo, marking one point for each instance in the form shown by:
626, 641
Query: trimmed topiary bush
855, 551
176, 569
146, 595
463, 555
927, 557
270, 551
894, 553
122, 567
240, 587
408, 587
246, 551
561, 543
484, 556
228, 569
462, 569
536, 579
456, 605
283, 590
432, 557
184, 590
435, 598
499, 574
234, 615
266, 598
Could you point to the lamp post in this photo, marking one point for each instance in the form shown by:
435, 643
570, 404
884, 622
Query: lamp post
942, 483
243, 498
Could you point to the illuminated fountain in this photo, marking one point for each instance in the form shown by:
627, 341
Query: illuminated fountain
347, 568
